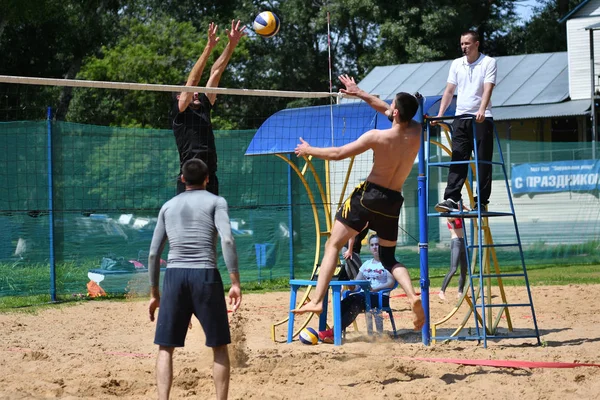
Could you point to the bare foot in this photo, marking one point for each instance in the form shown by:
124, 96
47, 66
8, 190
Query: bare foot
442, 295
418, 314
459, 295
309, 307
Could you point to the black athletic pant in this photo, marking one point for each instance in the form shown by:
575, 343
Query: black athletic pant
462, 147
355, 304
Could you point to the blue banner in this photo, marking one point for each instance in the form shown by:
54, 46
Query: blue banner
559, 176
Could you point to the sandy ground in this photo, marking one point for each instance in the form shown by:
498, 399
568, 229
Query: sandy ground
104, 350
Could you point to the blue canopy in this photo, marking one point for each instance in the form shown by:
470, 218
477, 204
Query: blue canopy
280, 133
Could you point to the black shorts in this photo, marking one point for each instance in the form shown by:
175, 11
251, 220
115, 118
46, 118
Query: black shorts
188, 291
375, 205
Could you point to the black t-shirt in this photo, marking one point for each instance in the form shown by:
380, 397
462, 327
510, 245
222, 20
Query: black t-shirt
194, 135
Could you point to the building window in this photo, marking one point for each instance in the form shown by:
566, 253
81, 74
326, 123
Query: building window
564, 129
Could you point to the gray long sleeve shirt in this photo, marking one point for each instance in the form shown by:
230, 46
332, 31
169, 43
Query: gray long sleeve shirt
190, 222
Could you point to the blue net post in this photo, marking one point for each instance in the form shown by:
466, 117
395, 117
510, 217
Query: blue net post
290, 219
51, 208
423, 227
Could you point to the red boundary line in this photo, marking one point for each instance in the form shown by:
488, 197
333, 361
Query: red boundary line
503, 363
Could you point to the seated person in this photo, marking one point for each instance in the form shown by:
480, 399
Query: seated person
380, 278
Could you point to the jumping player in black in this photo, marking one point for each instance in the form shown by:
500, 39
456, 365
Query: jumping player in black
192, 125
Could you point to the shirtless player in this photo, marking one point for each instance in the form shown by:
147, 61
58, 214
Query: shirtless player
376, 202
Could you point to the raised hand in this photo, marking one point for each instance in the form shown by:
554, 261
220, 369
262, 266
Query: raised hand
302, 148
213, 39
235, 33
352, 88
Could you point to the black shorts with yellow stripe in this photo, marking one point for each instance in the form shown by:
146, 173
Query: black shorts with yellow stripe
375, 205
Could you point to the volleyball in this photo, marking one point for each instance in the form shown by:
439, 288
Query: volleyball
266, 24
309, 336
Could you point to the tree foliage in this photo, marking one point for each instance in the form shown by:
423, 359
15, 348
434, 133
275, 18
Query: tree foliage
541, 34
158, 41
152, 50
50, 38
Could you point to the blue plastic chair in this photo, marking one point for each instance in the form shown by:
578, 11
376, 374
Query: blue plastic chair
381, 305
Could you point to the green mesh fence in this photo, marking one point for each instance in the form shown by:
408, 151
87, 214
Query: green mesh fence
109, 183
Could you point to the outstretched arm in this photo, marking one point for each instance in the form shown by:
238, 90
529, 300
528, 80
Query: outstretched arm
185, 98
234, 35
446, 100
352, 89
360, 145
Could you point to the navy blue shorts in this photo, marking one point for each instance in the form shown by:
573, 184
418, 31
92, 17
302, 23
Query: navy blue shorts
375, 205
188, 291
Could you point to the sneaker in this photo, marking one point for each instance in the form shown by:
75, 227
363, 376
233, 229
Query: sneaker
326, 336
447, 205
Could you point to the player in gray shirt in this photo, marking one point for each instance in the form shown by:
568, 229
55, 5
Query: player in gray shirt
192, 283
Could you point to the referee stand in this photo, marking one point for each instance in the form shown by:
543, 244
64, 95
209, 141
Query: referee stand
485, 298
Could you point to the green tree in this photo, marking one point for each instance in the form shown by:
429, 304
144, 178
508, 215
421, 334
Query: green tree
155, 50
542, 33
197, 12
419, 31
50, 38
364, 34
158, 41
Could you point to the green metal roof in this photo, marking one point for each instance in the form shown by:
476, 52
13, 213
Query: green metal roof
527, 86
521, 80
564, 109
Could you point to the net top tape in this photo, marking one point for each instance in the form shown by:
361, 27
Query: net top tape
161, 88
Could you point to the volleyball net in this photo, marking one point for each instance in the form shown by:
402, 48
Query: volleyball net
113, 162
86, 166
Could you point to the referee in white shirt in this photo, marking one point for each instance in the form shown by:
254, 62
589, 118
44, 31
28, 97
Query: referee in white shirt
474, 75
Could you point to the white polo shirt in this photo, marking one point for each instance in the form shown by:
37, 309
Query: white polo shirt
469, 79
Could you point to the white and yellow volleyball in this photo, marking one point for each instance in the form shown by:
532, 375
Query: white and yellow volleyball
266, 24
309, 336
